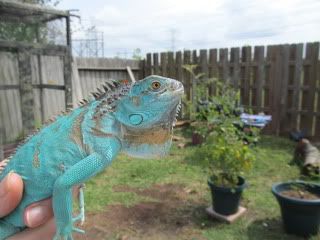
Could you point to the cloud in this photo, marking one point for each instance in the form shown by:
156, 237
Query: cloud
152, 25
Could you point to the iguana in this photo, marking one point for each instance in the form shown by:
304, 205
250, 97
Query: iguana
135, 118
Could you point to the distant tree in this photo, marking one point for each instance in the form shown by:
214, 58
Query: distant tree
26, 32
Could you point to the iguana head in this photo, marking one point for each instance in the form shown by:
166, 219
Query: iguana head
147, 115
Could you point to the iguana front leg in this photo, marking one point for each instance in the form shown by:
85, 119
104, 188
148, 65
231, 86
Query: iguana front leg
62, 193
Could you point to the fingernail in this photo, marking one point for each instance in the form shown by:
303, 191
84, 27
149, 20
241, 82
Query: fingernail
4, 186
35, 216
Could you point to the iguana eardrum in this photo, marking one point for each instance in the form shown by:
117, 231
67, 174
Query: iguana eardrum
133, 118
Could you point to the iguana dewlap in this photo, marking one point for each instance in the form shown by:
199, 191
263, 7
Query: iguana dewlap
133, 118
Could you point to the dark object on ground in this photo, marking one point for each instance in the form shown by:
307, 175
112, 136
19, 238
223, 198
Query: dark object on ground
300, 216
307, 157
197, 138
297, 136
226, 200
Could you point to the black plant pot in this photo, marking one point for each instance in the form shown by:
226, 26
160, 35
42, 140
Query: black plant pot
300, 216
226, 200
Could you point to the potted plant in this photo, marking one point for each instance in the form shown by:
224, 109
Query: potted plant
226, 158
300, 206
225, 150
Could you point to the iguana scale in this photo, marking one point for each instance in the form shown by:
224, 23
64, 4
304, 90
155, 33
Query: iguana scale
135, 118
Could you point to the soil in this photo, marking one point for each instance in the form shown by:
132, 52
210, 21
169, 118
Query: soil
170, 214
300, 194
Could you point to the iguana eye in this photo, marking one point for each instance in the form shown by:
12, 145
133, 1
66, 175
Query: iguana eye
155, 85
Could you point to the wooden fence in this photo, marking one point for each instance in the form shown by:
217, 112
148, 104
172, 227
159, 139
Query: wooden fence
32, 76
48, 88
281, 80
90, 73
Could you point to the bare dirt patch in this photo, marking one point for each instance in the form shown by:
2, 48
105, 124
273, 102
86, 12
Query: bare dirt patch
172, 213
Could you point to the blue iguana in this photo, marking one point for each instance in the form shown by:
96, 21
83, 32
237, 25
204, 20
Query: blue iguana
135, 118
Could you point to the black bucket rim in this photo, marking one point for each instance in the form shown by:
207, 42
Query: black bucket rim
238, 188
276, 192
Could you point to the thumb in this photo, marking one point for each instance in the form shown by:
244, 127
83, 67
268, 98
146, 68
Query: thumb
11, 189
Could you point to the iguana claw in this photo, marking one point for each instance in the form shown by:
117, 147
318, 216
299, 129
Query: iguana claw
81, 216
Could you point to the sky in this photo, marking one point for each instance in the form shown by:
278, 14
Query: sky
163, 25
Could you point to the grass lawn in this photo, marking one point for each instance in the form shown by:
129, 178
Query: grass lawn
165, 198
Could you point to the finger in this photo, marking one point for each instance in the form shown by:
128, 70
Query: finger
11, 189
44, 232
38, 213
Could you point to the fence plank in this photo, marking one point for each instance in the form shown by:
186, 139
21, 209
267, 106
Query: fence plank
235, 60
283, 83
223, 63
164, 64
269, 79
156, 67
179, 74
308, 99
148, 69
259, 78
142, 66
204, 63
213, 69
317, 127
195, 59
171, 65
276, 88
245, 73
52, 73
296, 51
187, 75
1, 139
10, 108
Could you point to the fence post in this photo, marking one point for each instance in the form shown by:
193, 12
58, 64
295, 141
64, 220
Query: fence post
67, 71
1, 140
26, 90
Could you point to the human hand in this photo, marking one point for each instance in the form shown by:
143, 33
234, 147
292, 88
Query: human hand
38, 217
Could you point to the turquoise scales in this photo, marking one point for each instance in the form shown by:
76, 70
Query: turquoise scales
133, 118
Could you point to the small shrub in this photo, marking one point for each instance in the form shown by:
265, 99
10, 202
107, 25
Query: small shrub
226, 153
